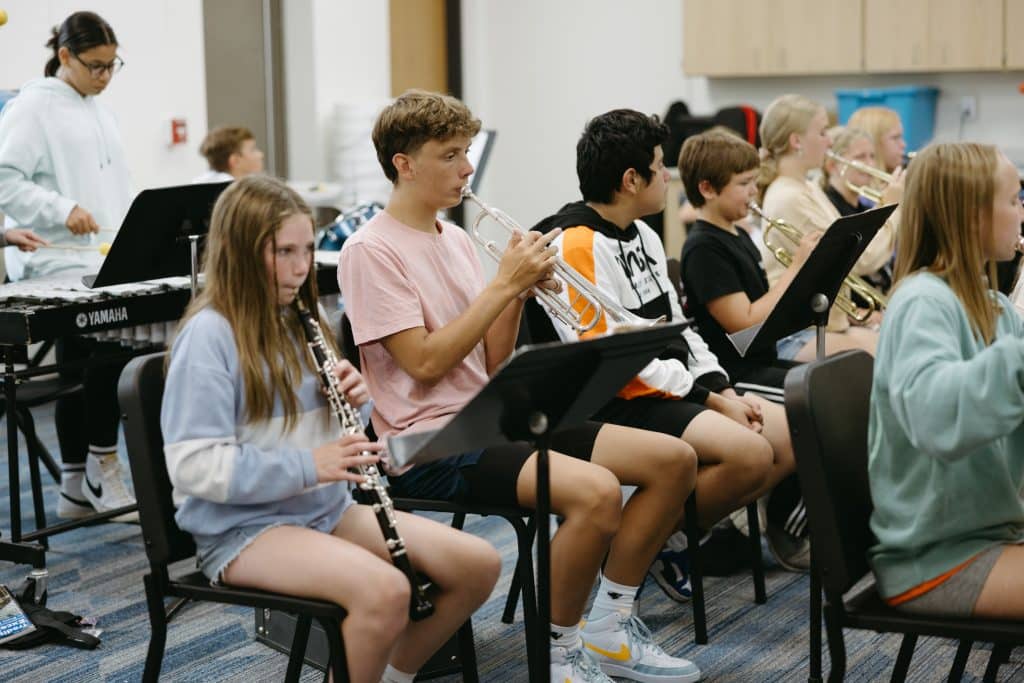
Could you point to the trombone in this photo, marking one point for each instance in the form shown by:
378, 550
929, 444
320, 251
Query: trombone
876, 301
583, 310
872, 194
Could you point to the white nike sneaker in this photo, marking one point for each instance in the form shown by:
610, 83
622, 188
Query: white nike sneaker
103, 487
71, 504
575, 665
623, 647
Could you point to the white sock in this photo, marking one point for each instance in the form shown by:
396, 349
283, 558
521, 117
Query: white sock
566, 636
101, 451
612, 597
71, 482
393, 675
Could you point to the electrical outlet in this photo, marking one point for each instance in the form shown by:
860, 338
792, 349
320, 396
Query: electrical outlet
968, 107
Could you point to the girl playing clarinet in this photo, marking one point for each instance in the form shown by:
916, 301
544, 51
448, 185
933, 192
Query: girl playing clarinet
259, 463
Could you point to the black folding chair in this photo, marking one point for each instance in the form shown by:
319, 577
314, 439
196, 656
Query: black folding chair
827, 405
140, 392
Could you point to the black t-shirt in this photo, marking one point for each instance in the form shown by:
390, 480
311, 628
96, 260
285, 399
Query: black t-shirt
842, 206
716, 263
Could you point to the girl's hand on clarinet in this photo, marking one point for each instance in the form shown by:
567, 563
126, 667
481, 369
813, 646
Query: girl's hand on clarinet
334, 459
351, 383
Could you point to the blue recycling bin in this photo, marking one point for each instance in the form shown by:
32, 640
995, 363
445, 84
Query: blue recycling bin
914, 103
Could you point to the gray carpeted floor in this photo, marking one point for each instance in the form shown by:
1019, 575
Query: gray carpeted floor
98, 572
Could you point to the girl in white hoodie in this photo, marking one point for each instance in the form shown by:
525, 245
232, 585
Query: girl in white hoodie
63, 175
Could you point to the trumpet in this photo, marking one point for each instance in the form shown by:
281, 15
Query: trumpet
584, 308
876, 301
872, 194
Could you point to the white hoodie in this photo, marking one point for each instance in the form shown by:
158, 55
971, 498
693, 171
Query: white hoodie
57, 150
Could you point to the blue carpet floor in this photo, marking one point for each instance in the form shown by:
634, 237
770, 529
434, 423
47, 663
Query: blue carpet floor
98, 571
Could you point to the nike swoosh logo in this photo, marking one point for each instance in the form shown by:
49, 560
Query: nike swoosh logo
620, 656
96, 490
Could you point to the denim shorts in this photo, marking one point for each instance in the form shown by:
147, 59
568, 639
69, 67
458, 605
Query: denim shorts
788, 347
215, 553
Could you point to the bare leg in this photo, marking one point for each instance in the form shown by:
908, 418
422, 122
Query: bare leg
664, 470
735, 465
588, 497
375, 594
1003, 594
861, 338
464, 568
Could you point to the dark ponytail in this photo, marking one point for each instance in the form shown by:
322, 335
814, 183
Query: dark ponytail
80, 32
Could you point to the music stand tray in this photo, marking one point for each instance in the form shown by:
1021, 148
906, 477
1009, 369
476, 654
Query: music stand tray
537, 390
153, 239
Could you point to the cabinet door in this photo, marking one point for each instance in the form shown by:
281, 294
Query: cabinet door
896, 35
1014, 26
783, 37
725, 38
817, 36
965, 35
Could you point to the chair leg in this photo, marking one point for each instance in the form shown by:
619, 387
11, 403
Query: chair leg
756, 561
700, 624
963, 651
158, 631
836, 648
527, 531
814, 626
899, 672
336, 646
467, 653
298, 650
1000, 654
524, 573
458, 520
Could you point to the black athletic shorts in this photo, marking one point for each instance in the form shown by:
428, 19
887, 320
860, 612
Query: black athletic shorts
494, 477
653, 414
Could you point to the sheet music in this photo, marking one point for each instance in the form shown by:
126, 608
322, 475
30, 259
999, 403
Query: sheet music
741, 340
70, 288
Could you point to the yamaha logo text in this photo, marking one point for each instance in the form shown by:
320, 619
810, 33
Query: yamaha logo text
103, 316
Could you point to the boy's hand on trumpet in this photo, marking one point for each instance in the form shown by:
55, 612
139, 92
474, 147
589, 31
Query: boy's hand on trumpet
529, 260
23, 239
81, 222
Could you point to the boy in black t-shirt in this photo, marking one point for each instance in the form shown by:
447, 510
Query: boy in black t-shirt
724, 282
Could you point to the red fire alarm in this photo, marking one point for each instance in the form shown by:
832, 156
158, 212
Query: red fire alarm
179, 132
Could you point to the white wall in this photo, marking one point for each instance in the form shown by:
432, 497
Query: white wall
536, 70
161, 42
336, 52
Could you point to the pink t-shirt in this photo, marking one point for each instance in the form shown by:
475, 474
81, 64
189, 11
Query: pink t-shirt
395, 278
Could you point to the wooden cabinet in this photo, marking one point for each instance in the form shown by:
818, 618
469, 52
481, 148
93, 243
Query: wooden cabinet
1014, 34
798, 37
743, 38
933, 35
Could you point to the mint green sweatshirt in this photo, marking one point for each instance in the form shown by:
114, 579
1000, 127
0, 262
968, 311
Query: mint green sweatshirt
946, 439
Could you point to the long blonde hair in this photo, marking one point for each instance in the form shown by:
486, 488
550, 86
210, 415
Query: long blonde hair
245, 218
949, 189
787, 114
876, 122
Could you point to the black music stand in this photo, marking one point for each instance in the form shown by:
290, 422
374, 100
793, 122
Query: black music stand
158, 237
523, 403
807, 301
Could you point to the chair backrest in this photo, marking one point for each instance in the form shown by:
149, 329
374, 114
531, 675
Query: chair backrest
827, 406
141, 392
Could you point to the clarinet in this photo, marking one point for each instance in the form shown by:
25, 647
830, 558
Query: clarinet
325, 361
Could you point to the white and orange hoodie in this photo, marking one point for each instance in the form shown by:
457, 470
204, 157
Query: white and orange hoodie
629, 267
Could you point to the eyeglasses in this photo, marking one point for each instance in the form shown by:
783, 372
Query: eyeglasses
96, 70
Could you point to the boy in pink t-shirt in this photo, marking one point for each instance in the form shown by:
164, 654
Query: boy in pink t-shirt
431, 331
